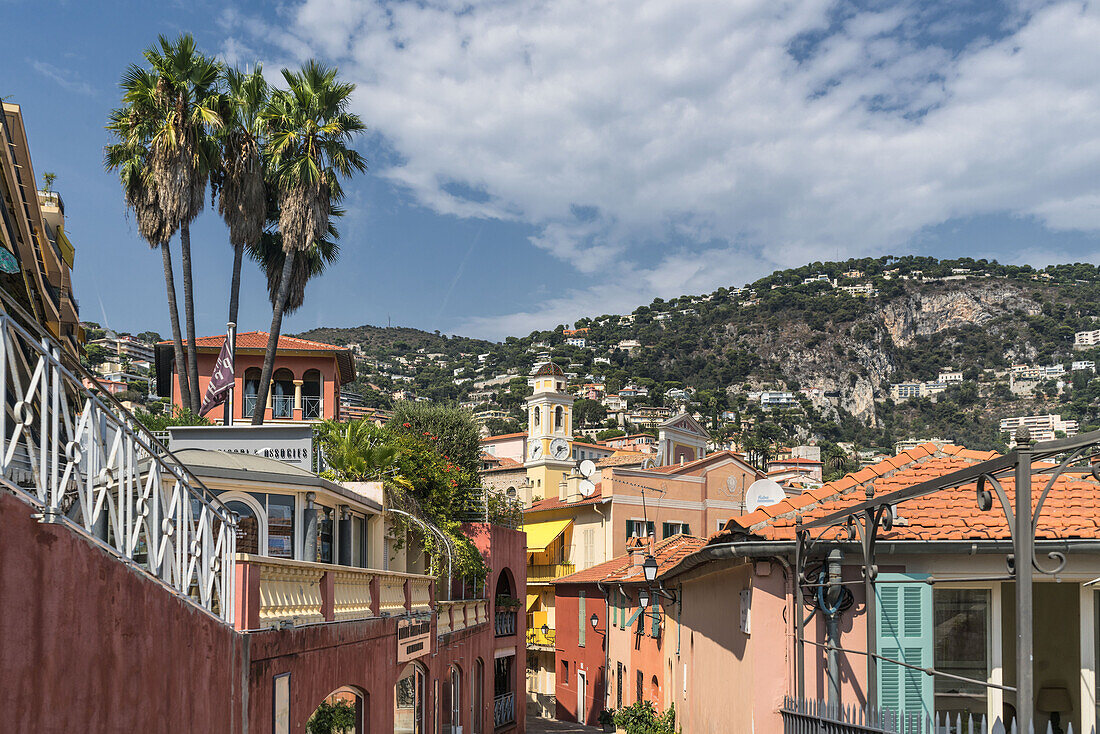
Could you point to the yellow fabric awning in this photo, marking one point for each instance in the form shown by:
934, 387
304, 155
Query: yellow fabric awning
532, 600
541, 534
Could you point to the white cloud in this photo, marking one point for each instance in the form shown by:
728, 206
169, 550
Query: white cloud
694, 117
67, 79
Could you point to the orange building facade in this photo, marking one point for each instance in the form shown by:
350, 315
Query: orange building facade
305, 385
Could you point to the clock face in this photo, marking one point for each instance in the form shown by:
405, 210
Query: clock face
559, 448
536, 450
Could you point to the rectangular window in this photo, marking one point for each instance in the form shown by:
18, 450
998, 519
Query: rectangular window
581, 621
619, 685
639, 529
640, 683
589, 548
325, 527
280, 525
669, 529
655, 623
565, 672
961, 647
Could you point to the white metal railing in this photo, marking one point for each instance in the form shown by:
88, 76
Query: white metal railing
86, 462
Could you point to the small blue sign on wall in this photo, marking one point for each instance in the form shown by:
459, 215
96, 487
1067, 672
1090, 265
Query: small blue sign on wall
9, 263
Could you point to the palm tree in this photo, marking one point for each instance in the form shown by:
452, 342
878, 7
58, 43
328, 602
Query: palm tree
357, 450
242, 199
174, 110
308, 129
129, 157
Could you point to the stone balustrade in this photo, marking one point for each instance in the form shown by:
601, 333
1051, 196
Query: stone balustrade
273, 591
454, 616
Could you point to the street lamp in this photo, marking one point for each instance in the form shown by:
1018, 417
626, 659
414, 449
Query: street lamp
649, 568
545, 630
643, 598
594, 620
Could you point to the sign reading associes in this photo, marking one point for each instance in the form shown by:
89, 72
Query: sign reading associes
414, 639
290, 444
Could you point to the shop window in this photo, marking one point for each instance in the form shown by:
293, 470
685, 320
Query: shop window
248, 527
961, 647
325, 527
280, 526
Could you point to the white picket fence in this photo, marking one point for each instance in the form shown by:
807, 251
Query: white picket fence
810, 716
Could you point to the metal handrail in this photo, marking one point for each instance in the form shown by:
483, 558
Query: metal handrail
88, 463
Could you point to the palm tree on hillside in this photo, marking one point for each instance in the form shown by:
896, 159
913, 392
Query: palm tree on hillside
242, 199
170, 111
309, 130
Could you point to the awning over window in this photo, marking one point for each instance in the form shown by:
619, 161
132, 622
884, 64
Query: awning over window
541, 534
532, 600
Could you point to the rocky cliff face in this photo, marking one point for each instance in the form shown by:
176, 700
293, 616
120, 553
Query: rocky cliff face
930, 310
855, 360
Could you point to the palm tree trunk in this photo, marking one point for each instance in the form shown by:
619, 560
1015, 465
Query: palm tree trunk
189, 314
174, 318
273, 339
235, 284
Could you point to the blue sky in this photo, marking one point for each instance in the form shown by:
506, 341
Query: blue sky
535, 162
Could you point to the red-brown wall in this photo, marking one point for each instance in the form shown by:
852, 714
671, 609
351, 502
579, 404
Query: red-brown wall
89, 644
592, 658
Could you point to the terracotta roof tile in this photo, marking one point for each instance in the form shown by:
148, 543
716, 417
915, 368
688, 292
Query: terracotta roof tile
553, 503
668, 553
1071, 511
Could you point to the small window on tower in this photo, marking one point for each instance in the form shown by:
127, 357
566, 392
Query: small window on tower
559, 418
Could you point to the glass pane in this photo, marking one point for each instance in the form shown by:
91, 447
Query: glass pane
248, 527
280, 526
961, 644
324, 534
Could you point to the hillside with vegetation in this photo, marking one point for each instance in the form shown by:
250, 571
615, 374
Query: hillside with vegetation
836, 335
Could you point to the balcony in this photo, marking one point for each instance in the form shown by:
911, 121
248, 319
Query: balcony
545, 574
504, 709
538, 639
505, 623
282, 406
276, 591
455, 616
311, 406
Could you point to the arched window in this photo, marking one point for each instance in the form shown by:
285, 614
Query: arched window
408, 701
251, 387
282, 394
250, 531
344, 710
311, 394
510, 493
452, 701
535, 417
559, 418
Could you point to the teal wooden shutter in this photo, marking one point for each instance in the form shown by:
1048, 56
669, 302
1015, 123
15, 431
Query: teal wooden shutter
904, 630
581, 622
655, 631
633, 617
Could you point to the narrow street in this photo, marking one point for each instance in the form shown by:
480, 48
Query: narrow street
537, 725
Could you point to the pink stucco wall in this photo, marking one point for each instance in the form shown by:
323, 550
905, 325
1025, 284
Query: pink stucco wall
87, 643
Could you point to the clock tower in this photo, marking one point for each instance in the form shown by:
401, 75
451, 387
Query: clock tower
549, 431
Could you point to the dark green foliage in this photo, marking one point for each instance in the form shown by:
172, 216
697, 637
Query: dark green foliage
332, 718
178, 417
642, 718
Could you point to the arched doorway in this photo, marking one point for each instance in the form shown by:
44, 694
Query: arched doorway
344, 711
251, 388
282, 394
452, 701
311, 394
409, 700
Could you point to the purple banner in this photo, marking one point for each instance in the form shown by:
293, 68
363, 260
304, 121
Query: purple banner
221, 381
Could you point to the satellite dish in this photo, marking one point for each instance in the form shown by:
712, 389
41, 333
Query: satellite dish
588, 468
587, 487
761, 493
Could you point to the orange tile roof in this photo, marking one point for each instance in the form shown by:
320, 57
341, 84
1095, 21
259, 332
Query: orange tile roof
677, 468
668, 553
1071, 510
489, 439
593, 446
257, 341
553, 503
503, 463
636, 457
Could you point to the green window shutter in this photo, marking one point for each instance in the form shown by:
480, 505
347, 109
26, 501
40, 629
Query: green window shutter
655, 631
904, 632
666, 529
581, 620
633, 617
685, 529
